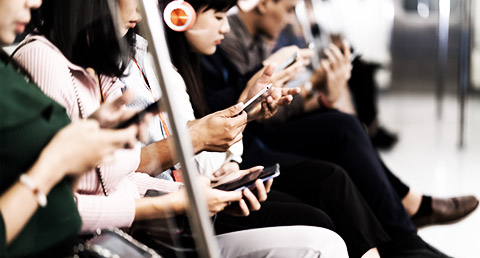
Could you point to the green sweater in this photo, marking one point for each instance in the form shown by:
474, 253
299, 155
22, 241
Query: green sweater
28, 120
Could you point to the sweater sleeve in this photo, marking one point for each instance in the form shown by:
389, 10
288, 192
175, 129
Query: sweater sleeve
52, 78
145, 182
114, 210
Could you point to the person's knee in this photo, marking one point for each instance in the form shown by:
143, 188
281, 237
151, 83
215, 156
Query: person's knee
325, 241
312, 216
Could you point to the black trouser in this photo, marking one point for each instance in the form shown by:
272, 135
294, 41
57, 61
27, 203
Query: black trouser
319, 184
364, 92
279, 210
339, 138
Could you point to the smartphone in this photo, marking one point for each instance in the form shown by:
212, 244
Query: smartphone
248, 180
256, 99
152, 108
287, 63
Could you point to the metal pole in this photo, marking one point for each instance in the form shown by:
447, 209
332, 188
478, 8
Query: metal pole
202, 228
464, 65
302, 17
442, 55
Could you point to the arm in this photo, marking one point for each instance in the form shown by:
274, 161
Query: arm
214, 132
58, 159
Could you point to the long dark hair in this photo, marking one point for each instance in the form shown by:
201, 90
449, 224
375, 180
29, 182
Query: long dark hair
85, 33
185, 60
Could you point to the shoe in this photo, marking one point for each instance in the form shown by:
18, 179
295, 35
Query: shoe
384, 139
447, 210
411, 246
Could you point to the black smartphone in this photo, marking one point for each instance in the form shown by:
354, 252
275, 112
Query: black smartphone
248, 180
152, 108
256, 99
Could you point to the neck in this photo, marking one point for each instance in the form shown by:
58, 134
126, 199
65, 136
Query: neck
250, 20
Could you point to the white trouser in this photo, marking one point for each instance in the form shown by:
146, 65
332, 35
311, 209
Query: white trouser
279, 242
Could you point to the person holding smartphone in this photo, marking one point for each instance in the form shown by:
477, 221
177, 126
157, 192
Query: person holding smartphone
76, 45
42, 154
322, 135
196, 44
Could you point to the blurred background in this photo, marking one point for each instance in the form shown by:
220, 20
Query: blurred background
428, 52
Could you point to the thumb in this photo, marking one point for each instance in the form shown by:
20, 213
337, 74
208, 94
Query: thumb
233, 110
254, 169
267, 73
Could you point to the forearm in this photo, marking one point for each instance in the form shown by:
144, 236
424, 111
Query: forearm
19, 203
157, 157
163, 206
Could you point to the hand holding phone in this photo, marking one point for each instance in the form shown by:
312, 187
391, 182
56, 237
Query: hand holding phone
137, 118
248, 180
251, 103
287, 63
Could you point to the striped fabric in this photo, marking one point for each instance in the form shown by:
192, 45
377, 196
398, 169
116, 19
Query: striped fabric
65, 83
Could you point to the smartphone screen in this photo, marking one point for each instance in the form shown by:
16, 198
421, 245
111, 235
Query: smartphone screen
248, 180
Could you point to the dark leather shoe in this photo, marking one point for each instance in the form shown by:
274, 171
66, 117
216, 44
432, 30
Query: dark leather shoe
447, 210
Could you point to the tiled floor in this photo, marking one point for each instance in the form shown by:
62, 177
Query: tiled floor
427, 157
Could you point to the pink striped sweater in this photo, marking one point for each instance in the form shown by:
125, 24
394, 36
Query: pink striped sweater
72, 87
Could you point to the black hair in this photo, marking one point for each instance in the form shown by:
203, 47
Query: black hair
84, 31
185, 60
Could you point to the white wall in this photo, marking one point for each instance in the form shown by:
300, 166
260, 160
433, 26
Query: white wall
366, 23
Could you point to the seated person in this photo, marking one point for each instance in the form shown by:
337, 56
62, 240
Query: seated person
42, 154
111, 195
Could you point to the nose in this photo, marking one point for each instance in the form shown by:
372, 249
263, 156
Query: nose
33, 4
225, 26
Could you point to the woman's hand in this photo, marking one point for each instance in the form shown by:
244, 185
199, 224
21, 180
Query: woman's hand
111, 114
230, 171
226, 169
280, 78
218, 131
250, 201
83, 145
334, 73
273, 98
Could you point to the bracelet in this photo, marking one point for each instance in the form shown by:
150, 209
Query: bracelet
324, 101
30, 184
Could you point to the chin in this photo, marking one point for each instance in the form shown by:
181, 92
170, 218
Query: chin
210, 51
6, 40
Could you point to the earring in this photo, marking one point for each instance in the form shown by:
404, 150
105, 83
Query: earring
179, 15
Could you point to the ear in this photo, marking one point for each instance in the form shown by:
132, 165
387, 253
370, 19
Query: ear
262, 6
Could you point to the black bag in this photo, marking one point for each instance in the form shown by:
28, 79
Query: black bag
169, 237
113, 243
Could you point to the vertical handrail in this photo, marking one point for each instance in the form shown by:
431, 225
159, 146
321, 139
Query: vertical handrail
442, 54
201, 225
464, 65
302, 17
